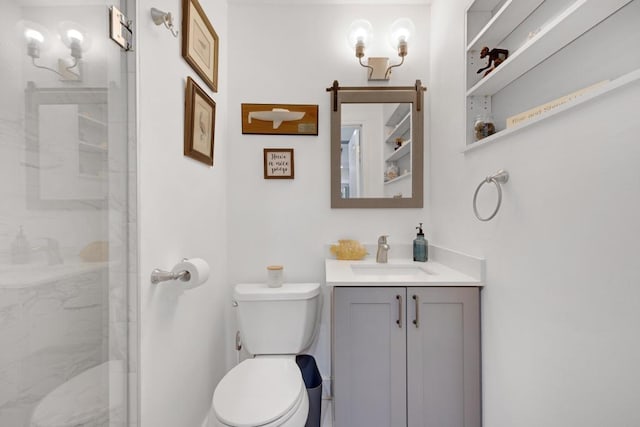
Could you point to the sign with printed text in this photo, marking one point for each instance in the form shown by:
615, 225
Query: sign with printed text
278, 163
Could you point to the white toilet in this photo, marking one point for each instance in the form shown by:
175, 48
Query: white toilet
268, 391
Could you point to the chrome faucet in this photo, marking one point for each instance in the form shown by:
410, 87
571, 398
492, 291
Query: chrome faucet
52, 249
383, 249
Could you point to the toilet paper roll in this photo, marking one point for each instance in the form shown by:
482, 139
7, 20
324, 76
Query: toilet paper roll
198, 270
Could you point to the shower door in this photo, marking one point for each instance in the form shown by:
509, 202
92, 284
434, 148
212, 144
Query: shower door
67, 217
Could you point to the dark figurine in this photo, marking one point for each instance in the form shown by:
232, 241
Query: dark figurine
496, 57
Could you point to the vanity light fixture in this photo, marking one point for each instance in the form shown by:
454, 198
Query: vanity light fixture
72, 35
35, 39
38, 39
399, 35
78, 41
360, 36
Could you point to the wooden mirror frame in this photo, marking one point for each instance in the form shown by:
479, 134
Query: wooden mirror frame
379, 95
34, 98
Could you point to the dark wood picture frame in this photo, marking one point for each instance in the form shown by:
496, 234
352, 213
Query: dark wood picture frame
278, 163
200, 43
200, 110
256, 120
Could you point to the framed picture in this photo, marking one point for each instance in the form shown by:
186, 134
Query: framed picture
280, 119
278, 163
200, 43
199, 123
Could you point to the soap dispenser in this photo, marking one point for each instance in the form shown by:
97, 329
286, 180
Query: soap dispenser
420, 250
20, 249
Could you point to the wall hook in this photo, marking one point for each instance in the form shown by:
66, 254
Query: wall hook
160, 17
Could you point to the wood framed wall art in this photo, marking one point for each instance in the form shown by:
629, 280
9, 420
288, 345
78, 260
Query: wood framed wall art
199, 123
200, 43
280, 119
278, 163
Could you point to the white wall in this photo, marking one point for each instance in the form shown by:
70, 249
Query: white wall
182, 213
290, 54
561, 310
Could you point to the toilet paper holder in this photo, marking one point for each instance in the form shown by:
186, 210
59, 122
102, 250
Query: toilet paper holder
158, 275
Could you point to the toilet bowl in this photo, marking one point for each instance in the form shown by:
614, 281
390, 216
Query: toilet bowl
268, 390
264, 391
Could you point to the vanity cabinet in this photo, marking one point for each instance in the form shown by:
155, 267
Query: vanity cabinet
406, 356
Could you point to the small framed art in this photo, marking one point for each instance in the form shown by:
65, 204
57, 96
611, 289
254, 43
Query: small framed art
199, 123
200, 43
278, 163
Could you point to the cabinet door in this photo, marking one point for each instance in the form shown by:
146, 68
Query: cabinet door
370, 357
443, 357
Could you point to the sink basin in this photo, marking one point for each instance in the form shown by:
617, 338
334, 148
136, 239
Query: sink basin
395, 270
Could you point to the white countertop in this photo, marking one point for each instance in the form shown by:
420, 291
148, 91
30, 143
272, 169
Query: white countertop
400, 272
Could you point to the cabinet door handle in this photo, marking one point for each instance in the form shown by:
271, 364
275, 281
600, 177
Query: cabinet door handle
416, 321
399, 321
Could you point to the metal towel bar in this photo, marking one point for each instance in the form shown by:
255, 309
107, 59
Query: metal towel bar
498, 178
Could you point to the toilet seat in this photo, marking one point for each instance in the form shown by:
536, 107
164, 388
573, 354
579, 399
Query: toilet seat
264, 391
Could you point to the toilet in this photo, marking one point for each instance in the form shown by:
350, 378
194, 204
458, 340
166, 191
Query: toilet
268, 390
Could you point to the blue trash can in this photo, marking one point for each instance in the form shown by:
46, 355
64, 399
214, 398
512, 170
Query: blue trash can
313, 383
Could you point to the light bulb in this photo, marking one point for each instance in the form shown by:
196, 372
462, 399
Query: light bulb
359, 35
401, 31
75, 36
33, 36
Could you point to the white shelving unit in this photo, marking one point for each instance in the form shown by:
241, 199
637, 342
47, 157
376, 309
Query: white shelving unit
546, 38
400, 178
398, 125
402, 130
618, 83
400, 152
503, 22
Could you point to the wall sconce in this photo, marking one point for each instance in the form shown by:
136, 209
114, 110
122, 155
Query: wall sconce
35, 40
361, 34
77, 39
71, 34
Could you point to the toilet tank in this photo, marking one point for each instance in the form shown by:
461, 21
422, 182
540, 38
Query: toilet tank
279, 320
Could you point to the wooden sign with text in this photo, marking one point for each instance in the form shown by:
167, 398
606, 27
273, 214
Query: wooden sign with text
278, 163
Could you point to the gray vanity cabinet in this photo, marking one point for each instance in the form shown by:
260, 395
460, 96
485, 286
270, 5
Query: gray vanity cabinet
406, 356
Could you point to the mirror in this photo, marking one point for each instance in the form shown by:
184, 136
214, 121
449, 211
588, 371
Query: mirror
66, 147
377, 147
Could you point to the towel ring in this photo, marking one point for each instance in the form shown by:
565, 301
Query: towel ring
498, 178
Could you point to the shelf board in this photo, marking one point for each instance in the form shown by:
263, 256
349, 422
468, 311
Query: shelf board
92, 120
398, 114
578, 18
403, 127
624, 80
85, 146
510, 16
400, 152
400, 178
483, 5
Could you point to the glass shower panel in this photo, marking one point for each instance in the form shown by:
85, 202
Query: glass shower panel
67, 217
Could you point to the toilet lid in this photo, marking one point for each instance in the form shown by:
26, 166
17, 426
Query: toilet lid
258, 391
